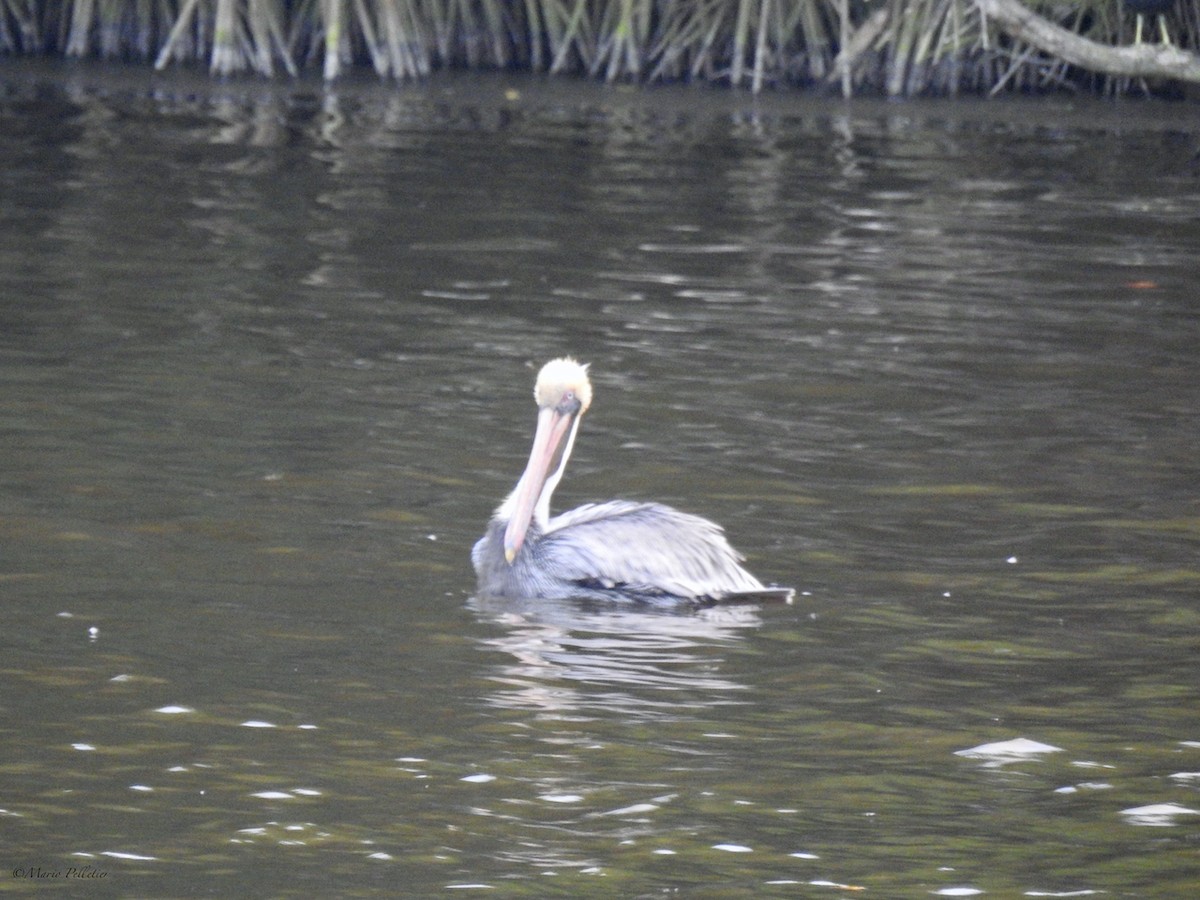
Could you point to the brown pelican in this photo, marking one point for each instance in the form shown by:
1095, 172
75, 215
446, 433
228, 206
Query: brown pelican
617, 550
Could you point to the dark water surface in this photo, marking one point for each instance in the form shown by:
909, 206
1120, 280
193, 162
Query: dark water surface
267, 354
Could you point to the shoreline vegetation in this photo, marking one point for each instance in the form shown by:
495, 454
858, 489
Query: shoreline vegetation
895, 48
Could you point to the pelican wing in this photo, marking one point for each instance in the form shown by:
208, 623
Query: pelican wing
643, 548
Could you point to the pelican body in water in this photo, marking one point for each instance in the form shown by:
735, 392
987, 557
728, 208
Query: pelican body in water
620, 550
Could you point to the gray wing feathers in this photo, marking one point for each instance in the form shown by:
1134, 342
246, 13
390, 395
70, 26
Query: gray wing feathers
644, 546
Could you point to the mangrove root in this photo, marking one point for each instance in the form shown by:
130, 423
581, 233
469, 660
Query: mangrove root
1140, 60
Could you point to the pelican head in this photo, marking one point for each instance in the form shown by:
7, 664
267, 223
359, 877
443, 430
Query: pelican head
563, 394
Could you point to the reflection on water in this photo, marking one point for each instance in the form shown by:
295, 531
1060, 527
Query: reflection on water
569, 658
261, 359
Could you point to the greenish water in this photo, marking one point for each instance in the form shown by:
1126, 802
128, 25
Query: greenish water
266, 355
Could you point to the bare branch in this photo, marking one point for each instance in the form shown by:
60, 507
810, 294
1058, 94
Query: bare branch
1145, 60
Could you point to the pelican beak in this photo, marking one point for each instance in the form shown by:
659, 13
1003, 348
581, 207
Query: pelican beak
550, 445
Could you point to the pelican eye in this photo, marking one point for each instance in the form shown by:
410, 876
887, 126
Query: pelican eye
569, 403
